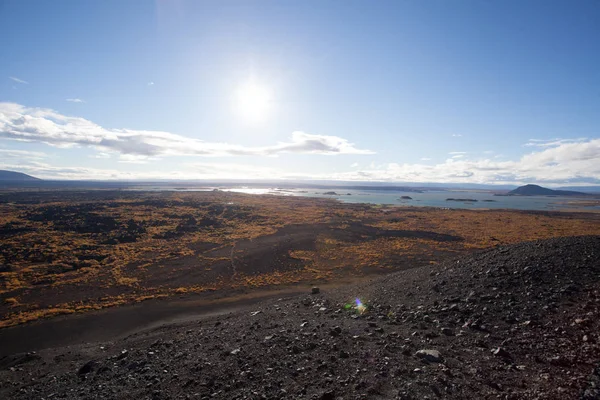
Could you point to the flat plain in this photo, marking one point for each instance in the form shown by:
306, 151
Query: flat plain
65, 252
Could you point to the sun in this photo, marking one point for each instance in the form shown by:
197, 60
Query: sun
253, 102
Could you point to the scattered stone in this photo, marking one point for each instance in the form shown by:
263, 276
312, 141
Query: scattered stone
429, 355
315, 290
280, 361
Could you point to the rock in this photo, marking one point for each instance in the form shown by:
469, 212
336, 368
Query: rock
315, 290
87, 367
500, 352
429, 355
336, 331
447, 332
328, 395
235, 351
123, 354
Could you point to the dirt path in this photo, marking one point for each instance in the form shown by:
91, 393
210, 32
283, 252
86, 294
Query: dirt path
114, 323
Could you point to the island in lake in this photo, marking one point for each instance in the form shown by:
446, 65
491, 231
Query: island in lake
536, 190
463, 200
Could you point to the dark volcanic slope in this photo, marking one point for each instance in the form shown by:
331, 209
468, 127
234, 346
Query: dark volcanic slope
518, 322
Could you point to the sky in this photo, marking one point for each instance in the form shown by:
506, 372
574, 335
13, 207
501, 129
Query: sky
465, 91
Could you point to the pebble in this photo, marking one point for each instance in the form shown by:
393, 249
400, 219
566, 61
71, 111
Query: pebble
429, 355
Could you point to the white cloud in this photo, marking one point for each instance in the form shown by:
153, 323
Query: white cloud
554, 161
27, 124
456, 135
21, 81
190, 171
232, 171
75, 100
552, 142
566, 163
150, 83
6, 154
136, 159
571, 163
100, 155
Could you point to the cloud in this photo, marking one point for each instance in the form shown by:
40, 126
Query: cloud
100, 155
570, 163
565, 163
150, 83
21, 81
189, 171
136, 159
456, 135
232, 171
8, 154
425, 159
552, 161
75, 100
27, 124
551, 142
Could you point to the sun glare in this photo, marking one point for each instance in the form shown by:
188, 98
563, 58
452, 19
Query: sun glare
253, 102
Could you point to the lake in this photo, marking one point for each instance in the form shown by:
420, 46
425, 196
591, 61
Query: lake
485, 200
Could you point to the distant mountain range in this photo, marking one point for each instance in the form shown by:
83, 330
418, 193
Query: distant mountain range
11, 176
536, 190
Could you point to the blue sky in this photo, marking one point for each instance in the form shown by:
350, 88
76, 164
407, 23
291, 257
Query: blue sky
399, 91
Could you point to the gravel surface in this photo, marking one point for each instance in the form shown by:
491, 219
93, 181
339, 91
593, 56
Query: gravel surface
513, 322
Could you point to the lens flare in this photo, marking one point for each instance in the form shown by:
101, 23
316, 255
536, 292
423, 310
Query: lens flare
360, 307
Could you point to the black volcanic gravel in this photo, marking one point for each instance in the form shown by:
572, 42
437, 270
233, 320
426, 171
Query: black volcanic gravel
513, 322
